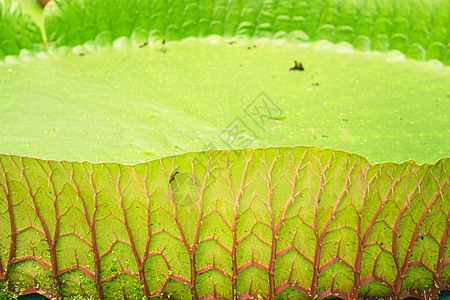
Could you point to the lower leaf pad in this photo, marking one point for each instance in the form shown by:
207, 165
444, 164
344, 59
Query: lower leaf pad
288, 222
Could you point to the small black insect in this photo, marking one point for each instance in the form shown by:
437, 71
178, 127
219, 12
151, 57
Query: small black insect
143, 44
298, 66
172, 177
82, 54
163, 49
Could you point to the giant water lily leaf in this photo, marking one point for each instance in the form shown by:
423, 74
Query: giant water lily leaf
275, 222
417, 28
131, 104
127, 82
119, 105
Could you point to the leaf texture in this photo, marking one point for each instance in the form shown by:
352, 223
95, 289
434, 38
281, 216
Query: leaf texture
414, 27
275, 223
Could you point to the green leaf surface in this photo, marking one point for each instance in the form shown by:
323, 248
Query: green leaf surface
148, 100
130, 104
289, 222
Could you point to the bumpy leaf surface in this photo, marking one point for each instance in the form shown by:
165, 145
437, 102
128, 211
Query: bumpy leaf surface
415, 27
270, 223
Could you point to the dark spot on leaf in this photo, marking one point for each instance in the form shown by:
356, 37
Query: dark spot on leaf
381, 244
82, 54
172, 177
143, 44
421, 238
345, 120
298, 66
324, 136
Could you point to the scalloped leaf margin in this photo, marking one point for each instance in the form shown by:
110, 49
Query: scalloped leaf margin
416, 28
